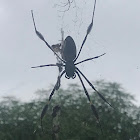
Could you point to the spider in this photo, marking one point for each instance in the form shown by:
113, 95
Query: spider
68, 62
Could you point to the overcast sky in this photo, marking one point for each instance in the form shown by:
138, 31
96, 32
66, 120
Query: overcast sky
116, 32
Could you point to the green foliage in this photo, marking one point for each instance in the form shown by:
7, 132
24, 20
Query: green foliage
21, 121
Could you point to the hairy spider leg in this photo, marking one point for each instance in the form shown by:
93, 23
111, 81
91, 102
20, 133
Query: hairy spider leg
91, 104
88, 31
100, 95
89, 59
44, 65
52, 93
42, 38
58, 65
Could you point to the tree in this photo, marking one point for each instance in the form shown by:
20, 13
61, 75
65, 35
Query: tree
77, 122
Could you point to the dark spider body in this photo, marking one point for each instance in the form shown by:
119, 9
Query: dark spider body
68, 61
69, 54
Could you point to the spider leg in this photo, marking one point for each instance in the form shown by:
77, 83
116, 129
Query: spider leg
101, 96
91, 104
58, 65
56, 87
90, 59
88, 31
42, 38
44, 65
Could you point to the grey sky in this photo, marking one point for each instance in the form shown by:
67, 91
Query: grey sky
116, 32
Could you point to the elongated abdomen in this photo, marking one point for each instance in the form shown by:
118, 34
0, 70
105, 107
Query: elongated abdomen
69, 49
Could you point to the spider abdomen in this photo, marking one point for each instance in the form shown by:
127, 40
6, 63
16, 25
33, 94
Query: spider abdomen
70, 69
69, 49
